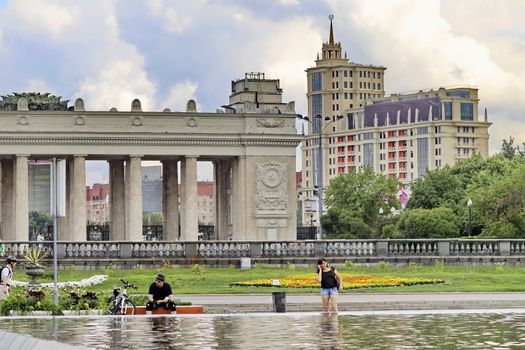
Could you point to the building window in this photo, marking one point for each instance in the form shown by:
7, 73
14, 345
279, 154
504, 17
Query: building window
467, 111
459, 93
317, 81
350, 118
448, 110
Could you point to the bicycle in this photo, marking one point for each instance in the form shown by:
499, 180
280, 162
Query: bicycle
119, 303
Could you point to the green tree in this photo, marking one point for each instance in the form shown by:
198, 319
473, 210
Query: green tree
500, 206
151, 219
508, 150
354, 199
437, 188
429, 223
39, 222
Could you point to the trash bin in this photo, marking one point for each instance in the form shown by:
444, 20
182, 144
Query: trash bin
279, 301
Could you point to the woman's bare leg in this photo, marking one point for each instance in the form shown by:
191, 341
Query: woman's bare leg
333, 301
326, 302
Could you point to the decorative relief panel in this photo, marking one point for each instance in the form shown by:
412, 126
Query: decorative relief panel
270, 122
272, 186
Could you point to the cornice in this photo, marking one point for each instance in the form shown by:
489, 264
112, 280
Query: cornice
149, 141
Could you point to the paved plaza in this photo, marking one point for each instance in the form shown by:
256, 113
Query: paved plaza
360, 302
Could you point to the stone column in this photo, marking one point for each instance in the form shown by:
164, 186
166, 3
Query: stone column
239, 199
21, 224
170, 200
8, 232
117, 229
221, 173
134, 198
189, 230
77, 200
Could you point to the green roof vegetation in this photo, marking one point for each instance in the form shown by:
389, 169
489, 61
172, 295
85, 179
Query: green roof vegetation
36, 102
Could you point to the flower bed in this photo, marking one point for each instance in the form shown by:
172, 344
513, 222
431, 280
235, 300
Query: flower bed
350, 281
87, 282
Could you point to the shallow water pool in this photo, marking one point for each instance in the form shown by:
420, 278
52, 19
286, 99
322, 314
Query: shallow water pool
473, 329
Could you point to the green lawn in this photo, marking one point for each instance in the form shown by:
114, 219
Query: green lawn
493, 278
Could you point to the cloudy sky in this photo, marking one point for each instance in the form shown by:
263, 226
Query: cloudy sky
165, 52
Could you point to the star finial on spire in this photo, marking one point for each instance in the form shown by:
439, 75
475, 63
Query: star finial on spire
331, 41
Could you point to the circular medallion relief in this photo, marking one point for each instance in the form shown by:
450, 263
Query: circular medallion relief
23, 121
80, 121
136, 121
192, 122
271, 178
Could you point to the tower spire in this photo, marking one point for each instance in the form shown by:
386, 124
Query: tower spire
331, 41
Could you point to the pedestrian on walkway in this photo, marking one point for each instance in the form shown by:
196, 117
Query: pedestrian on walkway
6, 275
331, 282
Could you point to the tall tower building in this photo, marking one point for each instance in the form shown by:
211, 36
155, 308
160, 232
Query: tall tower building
403, 135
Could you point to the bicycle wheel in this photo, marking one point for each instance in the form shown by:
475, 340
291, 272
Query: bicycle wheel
111, 306
124, 308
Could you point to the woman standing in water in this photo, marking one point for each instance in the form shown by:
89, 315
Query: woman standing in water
331, 283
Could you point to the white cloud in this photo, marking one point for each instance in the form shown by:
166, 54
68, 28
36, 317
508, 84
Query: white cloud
178, 96
37, 85
415, 41
47, 19
288, 2
172, 21
116, 86
300, 54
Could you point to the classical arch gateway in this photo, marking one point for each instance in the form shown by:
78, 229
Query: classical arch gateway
252, 149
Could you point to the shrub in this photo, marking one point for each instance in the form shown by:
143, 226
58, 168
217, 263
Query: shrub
25, 301
429, 223
439, 265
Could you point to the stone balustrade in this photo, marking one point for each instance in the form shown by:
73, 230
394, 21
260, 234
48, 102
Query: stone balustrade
424, 251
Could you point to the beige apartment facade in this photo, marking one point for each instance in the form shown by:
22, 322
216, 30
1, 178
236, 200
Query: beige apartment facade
251, 145
403, 135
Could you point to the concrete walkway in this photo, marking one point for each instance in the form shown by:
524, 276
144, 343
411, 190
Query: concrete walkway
360, 302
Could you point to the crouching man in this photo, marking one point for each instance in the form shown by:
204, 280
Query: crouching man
160, 295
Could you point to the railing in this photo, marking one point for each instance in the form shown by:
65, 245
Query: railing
189, 252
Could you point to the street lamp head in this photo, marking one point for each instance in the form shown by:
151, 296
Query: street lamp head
339, 117
381, 210
469, 202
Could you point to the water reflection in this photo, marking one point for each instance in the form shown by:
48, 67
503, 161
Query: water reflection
329, 333
284, 331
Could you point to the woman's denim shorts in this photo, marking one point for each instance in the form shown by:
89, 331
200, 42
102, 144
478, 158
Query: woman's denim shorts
329, 291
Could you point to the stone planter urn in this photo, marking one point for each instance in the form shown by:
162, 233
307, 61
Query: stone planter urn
34, 271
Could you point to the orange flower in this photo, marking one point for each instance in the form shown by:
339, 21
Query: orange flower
350, 281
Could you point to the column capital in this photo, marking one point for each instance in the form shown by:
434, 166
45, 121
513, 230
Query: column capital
79, 155
136, 156
22, 155
191, 156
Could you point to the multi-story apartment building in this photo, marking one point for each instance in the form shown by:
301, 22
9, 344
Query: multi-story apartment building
97, 204
403, 135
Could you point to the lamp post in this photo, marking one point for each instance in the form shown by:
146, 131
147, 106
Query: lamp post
381, 212
469, 224
319, 129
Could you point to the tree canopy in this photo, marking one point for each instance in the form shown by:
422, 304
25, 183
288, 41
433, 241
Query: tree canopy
353, 202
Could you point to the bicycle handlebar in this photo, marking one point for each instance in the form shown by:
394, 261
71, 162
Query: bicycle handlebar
127, 284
